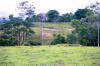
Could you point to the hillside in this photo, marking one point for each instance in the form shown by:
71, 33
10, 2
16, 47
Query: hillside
50, 30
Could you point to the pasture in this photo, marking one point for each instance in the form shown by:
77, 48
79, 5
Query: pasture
49, 56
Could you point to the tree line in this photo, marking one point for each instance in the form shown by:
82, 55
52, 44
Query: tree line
18, 30
86, 28
54, 16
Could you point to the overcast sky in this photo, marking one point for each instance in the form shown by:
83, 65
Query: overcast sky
42, 6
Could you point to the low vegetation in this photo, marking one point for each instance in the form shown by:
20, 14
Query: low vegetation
50, 56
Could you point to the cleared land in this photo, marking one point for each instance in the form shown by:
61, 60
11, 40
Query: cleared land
50, 30
49, 56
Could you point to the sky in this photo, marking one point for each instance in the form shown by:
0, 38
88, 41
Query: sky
42, 6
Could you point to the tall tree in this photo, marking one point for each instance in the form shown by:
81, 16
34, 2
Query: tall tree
26, 9
96, 10
66, 17
41, 17
52, 16
81, 13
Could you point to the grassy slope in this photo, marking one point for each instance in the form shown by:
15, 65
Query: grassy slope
59, 26
50, 56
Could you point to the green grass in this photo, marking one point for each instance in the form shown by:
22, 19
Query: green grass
49, 56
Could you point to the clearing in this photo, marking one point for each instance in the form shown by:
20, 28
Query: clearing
50, 30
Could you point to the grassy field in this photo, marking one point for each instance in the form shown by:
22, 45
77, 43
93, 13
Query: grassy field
50, 29
49, 56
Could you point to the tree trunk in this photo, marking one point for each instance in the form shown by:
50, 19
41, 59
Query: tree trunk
23, 38
94, 43
0, 34
19, 39
17, 36
98, 35
42, 34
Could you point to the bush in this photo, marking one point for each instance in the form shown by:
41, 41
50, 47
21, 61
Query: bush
26, 44
32, 43
58, 40
68, 45
71, 39
7, 40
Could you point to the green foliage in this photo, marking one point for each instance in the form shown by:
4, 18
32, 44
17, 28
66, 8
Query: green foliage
84, 41
7, 40
18, 29
72, 39
58, 40
66, 17
81, 13
85, 33
52, 16
82, 31
32, 43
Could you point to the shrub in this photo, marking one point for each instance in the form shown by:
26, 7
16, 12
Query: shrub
58, 40
68, 45
71, 39
32, 43
26, 44
7, 40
